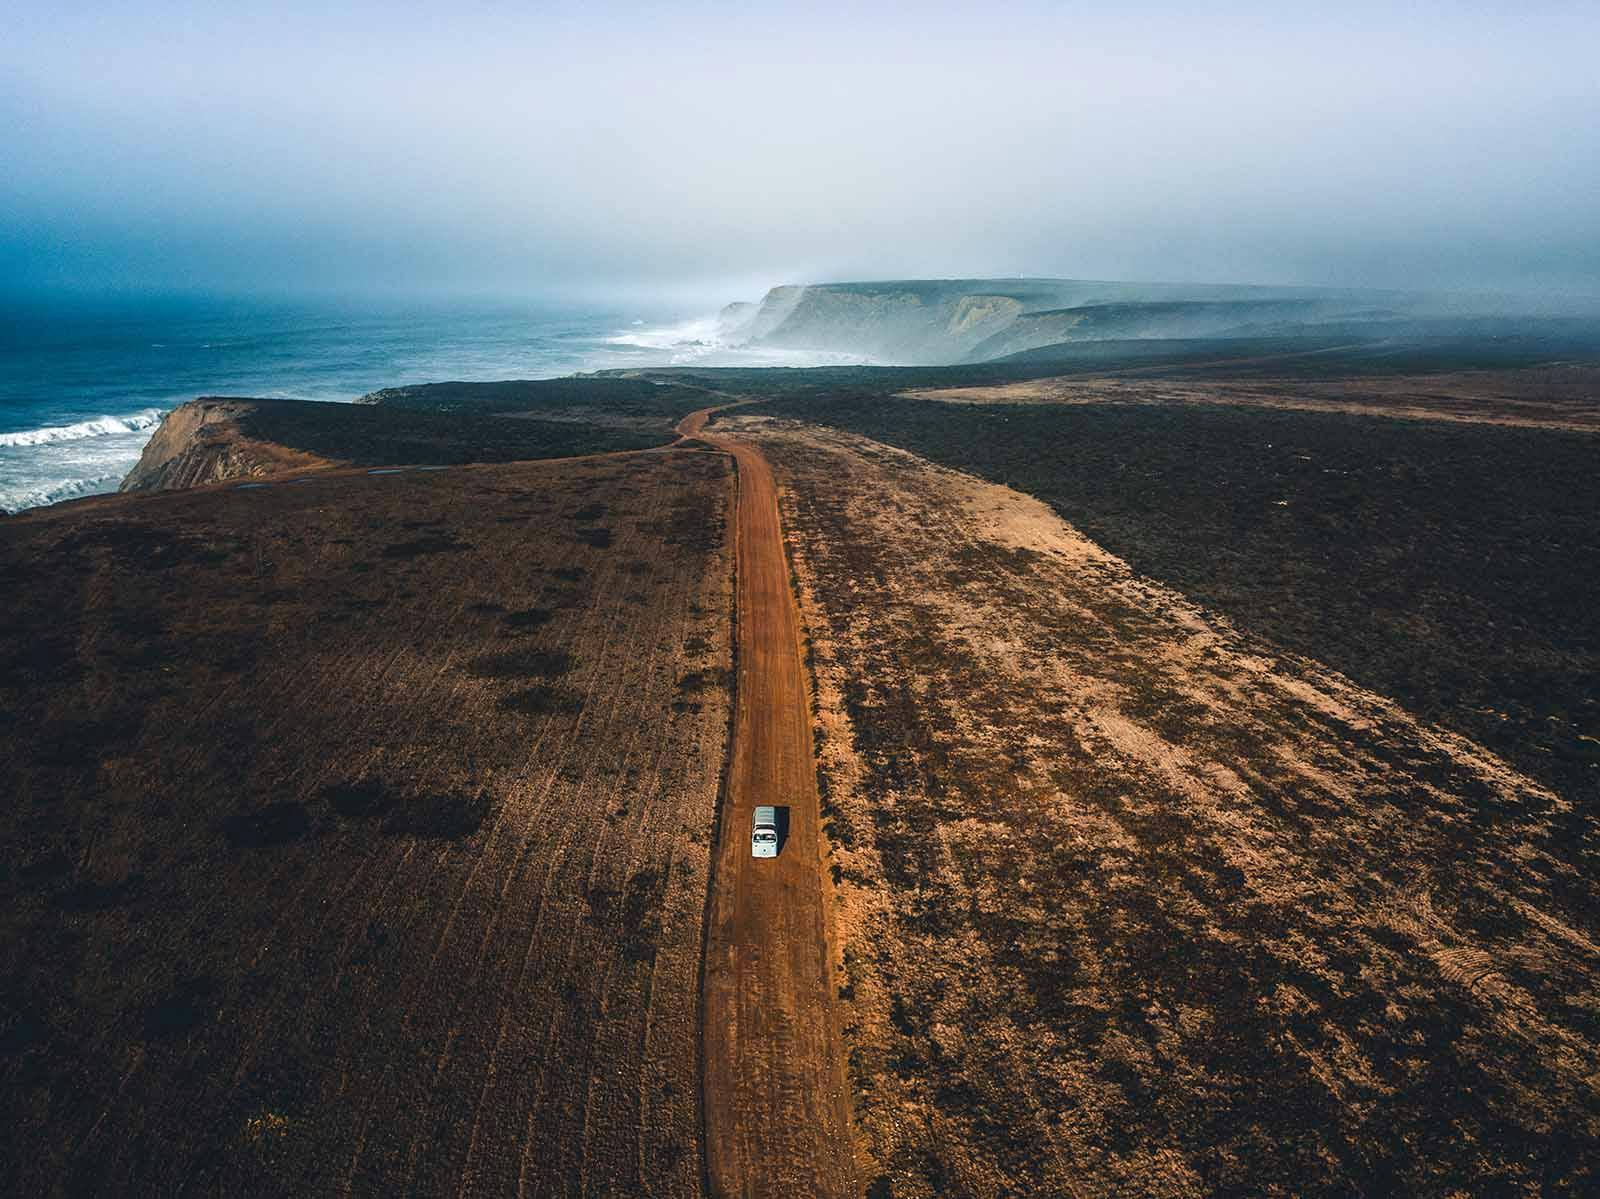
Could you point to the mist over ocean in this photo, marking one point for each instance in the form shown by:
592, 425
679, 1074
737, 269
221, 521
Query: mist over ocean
84, 384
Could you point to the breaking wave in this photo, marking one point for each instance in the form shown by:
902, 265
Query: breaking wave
20, 500
685, 342
704, 342
100, 426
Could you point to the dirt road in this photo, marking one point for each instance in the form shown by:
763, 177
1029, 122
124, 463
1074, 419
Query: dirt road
776, 1108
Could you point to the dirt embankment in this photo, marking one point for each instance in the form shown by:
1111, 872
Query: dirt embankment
1132, 902
357, 832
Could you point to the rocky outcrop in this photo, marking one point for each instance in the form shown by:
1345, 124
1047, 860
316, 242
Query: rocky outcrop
202, 442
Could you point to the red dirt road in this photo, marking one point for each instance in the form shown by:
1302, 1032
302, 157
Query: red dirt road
776, 1106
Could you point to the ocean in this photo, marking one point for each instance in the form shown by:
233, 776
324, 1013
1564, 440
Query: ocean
83, 384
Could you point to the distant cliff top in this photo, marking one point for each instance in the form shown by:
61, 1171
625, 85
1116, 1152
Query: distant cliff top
934, 321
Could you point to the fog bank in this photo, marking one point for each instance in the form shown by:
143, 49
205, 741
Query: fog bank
585, 149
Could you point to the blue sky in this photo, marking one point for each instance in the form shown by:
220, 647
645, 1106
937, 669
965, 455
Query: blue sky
565, 149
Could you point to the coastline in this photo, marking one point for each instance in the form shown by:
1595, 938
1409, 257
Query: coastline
82, 391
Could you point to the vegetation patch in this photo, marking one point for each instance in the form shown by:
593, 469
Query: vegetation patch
361, 800
522, 664
541, 700
88, 895
197, 996
1448, 565
182, 1008
1130, 896
438, 817
265, 827
433, 544
427, 436
83, 740
525, 620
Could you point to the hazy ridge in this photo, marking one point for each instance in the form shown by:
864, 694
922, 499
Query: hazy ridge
930, 322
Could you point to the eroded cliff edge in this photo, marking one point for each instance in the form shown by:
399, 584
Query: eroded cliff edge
203, 441
217, 438
939, 321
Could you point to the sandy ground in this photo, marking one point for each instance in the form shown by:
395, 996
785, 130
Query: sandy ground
1131, 903
1559, 397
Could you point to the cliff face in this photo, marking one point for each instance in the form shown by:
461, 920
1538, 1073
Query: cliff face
201, 442
908, 323
213, 439
922, 321
774, 311
1180, 319
734, 321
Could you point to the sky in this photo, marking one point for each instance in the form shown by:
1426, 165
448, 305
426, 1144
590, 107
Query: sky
597, 149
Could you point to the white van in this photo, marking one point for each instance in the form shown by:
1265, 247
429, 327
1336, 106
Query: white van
764, 836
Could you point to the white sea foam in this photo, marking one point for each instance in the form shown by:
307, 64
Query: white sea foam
17, 499
100, 426
700, 341
62, 462
685, 341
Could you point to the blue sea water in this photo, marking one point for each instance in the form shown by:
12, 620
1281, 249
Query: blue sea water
83, 383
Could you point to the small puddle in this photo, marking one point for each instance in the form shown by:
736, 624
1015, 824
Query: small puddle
251, 486
387, 470
431, 468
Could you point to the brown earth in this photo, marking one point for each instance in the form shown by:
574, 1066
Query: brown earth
1131, 902
1556, 397
360, 838
356, 834
777, 1110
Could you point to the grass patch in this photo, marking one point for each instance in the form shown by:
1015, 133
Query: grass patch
541, 700
439, 817
522, 664
528, 619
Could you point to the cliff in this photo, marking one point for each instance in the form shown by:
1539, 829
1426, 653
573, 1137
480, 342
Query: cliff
1183, 318
774, 311
913, 321
202, 441
934, 321
214, 439
734, 321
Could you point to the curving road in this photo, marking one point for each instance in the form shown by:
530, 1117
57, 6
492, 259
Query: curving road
777, 1110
